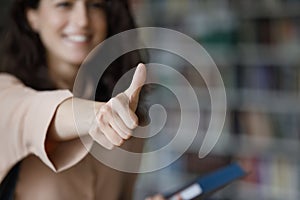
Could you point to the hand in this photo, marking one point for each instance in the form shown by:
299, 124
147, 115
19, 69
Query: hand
160, 197
156, 197
116, 119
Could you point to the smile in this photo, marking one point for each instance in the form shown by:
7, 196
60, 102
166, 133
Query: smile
78, 38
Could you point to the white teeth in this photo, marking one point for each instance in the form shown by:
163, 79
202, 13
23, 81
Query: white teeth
78, 38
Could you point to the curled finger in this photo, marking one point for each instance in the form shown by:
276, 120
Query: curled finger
120, 104
99, 137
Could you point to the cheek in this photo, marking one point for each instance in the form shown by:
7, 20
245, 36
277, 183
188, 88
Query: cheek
56, 24
51, 35
51, 27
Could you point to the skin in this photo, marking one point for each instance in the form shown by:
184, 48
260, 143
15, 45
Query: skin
114, 122
69, 30
156, 197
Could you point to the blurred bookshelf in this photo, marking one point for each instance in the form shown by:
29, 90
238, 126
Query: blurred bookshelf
255, 45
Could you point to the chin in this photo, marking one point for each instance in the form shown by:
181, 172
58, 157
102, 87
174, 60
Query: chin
77, 59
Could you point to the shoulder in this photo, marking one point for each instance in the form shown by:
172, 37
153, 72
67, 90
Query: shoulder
8, 80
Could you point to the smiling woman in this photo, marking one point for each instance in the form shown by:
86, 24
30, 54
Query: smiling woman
46, 41
69, 30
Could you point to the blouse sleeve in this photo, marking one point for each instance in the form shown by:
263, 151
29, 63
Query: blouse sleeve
24, 121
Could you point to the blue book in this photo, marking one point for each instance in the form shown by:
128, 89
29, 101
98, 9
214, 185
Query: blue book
208, 183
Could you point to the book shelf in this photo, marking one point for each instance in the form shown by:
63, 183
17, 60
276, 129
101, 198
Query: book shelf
256, 48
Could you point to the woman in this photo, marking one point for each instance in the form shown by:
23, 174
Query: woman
45, 43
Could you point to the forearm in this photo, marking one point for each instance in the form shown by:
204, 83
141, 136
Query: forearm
109, 124
71, 122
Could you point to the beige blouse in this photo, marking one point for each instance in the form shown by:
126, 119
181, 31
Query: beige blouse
72, 173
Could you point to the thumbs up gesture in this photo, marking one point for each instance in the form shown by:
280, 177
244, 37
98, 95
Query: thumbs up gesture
116, 119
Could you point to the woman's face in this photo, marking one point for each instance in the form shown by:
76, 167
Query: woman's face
69, 29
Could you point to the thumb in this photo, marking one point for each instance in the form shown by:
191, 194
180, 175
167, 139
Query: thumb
138, 80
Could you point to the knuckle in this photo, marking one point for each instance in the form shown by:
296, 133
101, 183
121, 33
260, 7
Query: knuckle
119, 142
113, 102
130, 133
103, 114
116, 140
126, 137
135, 123
105, 109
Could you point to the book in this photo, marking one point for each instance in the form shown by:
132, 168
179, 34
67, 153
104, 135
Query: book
209, 183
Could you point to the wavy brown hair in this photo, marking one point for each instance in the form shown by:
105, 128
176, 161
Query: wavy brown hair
23, 53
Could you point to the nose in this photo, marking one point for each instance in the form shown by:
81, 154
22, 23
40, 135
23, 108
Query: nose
80, 15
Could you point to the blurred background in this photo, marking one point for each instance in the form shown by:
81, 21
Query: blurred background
255, 44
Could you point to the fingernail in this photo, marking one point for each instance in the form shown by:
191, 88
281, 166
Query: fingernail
140, 65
